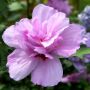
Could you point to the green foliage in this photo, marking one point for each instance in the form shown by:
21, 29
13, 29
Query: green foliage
79, 5
16, 6
82, 51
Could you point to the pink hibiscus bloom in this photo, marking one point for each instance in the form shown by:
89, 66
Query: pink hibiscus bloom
38, 43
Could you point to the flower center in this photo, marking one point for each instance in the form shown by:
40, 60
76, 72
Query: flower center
41, 56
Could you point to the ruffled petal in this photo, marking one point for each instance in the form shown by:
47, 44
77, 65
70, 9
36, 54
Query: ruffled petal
47, 73
10, 36
20, 65
56, 25
43, 12
16, 35
71, 40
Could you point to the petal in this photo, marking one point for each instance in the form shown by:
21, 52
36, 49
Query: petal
9, 36
37, 29
36, 26
20, 65
71, 39
47, 73
23, 25
40, 50
43, 12
16, 35
56, 24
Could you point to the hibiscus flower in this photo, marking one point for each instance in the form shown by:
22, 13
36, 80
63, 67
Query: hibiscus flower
38, 43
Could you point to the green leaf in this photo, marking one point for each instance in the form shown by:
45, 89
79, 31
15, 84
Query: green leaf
3, 5
14, 17
2, 86
2, 26
87, 88
83, 3
79, 5
15, 6
82, 51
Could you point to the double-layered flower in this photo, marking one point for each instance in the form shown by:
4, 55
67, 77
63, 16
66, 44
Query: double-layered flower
38, 43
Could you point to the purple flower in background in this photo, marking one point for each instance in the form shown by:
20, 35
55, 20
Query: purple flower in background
39, 42
60, 5
84, 17
78, 63
86, 40
75, 77
86, 58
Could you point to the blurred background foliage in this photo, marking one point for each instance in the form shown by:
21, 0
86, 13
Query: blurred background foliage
12, 11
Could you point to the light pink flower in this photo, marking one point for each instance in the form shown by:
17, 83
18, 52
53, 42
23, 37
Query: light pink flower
38, 43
